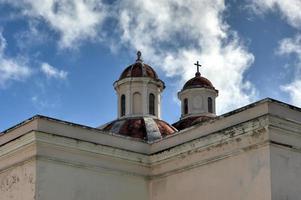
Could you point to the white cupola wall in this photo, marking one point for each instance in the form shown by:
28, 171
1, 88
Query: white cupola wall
197, 102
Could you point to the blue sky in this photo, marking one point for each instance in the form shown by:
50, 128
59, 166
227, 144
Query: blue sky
60, 58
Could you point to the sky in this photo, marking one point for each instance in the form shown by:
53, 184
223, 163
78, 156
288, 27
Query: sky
59, 58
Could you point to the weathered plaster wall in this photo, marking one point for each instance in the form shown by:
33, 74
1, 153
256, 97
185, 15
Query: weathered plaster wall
245, 176
286, 173
57, 180
18, 182
69, 179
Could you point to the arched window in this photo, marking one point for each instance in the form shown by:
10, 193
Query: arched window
185, 106
210, 107
122, 105
151, 104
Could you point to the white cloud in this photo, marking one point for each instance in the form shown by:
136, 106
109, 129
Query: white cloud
41, 102
173, 34
290, 46
75, 21
32, 36
52, 72
290, 9
294, 90
3, 44
11, 69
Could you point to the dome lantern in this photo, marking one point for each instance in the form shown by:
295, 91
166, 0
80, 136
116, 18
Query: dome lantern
197, 100
139, 90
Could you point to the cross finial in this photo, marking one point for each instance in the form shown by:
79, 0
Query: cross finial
198, 65
139, 56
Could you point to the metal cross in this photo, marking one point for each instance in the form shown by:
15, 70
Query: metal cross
198, 65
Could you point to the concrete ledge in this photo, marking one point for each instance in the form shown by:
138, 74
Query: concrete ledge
93, 135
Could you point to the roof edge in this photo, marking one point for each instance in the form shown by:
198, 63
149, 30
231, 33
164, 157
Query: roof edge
259, 102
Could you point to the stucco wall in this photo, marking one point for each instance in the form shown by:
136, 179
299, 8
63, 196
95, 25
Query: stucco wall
245, 176
58, 180
18, 182
286, 173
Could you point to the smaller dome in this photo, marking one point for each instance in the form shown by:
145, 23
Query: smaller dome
198, 82
146, 128
190, 121
139, 69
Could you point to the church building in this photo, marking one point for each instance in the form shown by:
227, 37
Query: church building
253, 152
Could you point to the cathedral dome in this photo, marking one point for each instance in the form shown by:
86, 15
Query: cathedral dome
139, 69
146, 128
198, 82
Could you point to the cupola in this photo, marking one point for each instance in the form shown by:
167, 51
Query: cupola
139, 104
139, 90
197, 100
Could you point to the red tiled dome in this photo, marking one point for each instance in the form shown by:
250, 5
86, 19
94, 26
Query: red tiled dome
139, 69
198, 82
145, 128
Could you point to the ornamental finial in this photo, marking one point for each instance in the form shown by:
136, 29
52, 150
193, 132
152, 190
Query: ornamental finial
139, 54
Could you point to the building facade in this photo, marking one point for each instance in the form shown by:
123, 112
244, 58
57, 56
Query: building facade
249, 153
